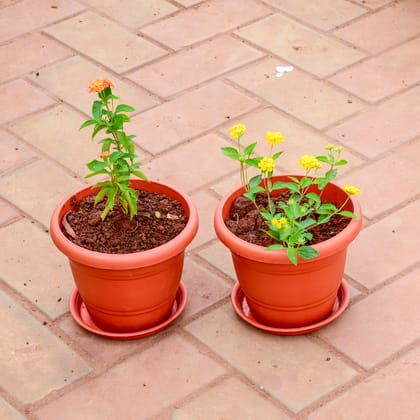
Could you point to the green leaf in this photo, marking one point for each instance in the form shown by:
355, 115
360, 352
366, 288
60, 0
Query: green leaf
341, 162
323, 218
231, 152
323, 159
97, 110
331, 174
101, 194
314, 197
307, 223
96, 165
97, 129
117, 122
294, 179
274, 247
249, 149
276, 155
112, 191
326, 208
255, 181
348, 214
271, 207
279, 185
102, 171
140, 175
124, 108
253, 162
87, 123
305, 182
122, 138
307, 252
292, 254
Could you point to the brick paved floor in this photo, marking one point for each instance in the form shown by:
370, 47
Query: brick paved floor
193, 68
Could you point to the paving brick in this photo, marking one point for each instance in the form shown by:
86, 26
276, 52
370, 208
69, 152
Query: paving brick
164, 373
389, 394
373, 4
103, 350
383, 75
35, 268
105, 41
380, 128
385, 248
204, 21
300, 45
35, 51
18, 98
297, 93
14, 154
279, 365
373, 32
190, 67
231, 399
324, 14
219, 256
37, 189
7, 412
34, 361
206, 204
190, 165
378, 183
226, 184
188, 2
132, 12
7, 212
28, 15
189, 115
81, 73
56, 133
204, 288
299, 140
394, 323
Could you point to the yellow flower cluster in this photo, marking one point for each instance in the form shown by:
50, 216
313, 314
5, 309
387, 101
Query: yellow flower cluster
99, 85
274, 137
266, 164
351, 190
309, 162
280, 223
237, 130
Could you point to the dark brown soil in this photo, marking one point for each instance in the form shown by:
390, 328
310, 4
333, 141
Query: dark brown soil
159, 219
246, 222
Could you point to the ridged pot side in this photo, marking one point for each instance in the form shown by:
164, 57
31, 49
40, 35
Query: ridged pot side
278, 293
127, 292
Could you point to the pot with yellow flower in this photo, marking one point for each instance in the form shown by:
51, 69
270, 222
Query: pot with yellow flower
288, 235
124, 237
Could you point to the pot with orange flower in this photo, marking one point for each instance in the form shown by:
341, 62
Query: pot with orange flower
125, 237
288, 235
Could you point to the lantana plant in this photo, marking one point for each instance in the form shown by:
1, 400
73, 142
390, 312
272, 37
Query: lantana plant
117, 157
290, 222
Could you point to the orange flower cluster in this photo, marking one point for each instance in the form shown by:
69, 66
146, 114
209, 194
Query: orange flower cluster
99, 85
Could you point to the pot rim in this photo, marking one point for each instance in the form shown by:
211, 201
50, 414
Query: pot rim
259, 253
149, 257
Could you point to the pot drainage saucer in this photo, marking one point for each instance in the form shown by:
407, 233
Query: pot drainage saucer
81, 316
241, 307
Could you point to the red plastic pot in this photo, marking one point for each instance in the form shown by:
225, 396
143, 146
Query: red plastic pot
127, 292
278, 293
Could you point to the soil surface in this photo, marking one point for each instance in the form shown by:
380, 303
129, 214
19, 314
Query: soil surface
246, 222
159, 219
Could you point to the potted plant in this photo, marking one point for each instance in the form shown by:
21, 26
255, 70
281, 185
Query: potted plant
125, 238
288, 236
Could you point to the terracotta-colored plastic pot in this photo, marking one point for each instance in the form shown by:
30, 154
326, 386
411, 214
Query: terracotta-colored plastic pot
127, 292
278, 293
